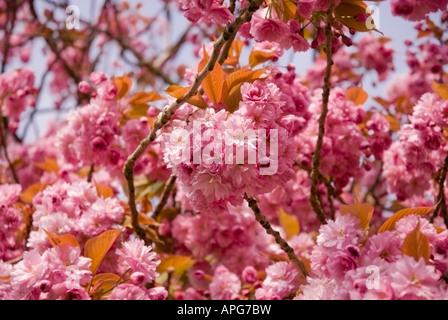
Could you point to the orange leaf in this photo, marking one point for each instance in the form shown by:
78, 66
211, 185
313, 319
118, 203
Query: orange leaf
441, 89
144, 97
123, 84
348, 12
104, 190
49, 165
102, 284
96, 248
356, 94
234, 53
62, 239
233, 98
289, 223
389, 224
256, 57
177, 264
179, 92
363, 211
416, 245
29, 193
243, 75
213, 84
394, 123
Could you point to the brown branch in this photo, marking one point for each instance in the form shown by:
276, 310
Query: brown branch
278, 238
90, 174
165, 195
441, 199
315, 200
168, 113
3, 132
331, 190
11, 8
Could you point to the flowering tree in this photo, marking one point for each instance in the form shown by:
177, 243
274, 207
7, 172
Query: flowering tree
232, 177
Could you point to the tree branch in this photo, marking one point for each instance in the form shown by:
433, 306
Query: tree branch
165, 195
315, 200
3, 132
441, 200
278, 238
128, 170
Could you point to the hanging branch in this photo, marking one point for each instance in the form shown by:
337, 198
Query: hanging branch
128, 170
278, 238
441, 199
165, 195
3, 132
315, 200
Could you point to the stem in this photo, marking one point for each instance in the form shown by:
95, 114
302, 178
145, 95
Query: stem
278, 238
165, 195
331, 190
90, 174
128, 170
3, 132
315, 200
441, 201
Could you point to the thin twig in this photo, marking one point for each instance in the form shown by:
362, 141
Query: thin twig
278, 238
330, 188
165, 195
168, 113
441, 201
317, 155
90, 174
375, 184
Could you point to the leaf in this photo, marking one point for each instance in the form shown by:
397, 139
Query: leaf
175, 263
62, 239
49, 165
104, 190
354, 14
96, 248
234, 82
123, 84
144, 97
441, 89
363, 211
257, 56
416, 245
394, 123
233, 98
234, 53
243, 75
178, 92
289, 223
30, 192
356, 94
151, 189
389, 224
213, 84
102, 284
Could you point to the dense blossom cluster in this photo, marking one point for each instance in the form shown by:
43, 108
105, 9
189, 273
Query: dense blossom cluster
213, 188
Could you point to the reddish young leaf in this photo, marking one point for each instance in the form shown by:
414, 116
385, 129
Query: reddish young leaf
357, 94
389, 224
416, 245
49, 165
123, 84
289, 223
363, 211
96, 248
62, 239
